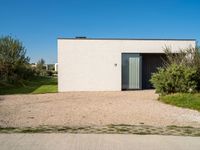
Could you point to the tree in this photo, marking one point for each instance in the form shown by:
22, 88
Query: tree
13, 59
41, 69
40, 64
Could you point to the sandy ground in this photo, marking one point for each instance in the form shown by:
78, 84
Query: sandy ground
92, 108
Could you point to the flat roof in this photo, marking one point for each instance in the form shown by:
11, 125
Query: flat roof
168, 39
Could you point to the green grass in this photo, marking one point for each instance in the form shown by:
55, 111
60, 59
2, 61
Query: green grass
185, 100
109, 129
37, 85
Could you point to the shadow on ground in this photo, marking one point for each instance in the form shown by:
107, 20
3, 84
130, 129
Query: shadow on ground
36, 85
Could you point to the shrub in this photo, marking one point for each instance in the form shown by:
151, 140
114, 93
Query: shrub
175, 78
50, 72
181, 72
41, 68
189, 57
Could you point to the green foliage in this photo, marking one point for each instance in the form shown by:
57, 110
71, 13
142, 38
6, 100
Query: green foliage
50, 72
16, 74
41, 68
14, 64
175, 78
181, 72
189, 57
40, 64
185, 100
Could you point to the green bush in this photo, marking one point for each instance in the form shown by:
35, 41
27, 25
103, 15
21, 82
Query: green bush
14, 64
180, 73
175, 78
50, 73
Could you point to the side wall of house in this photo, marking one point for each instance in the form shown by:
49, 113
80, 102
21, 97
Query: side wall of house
95, 65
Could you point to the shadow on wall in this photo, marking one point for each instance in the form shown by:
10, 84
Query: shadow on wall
150, 63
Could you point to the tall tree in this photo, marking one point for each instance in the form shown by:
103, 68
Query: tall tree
13, 59
41, 64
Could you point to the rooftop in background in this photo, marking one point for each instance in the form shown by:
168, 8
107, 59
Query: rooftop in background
85, 38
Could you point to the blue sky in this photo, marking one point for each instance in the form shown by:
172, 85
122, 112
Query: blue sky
38, 23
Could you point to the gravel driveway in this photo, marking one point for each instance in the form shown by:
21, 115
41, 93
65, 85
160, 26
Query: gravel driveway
92, 108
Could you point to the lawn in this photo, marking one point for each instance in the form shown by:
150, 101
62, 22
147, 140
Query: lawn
185, 100
37, 85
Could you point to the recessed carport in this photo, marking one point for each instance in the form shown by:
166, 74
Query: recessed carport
150, 64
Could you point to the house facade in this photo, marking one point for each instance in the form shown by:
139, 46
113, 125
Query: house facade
111, 64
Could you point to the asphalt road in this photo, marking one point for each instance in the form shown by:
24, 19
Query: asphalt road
96, 142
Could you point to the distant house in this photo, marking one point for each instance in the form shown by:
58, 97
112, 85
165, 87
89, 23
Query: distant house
56, 67
111, 64
33, 65
50, 67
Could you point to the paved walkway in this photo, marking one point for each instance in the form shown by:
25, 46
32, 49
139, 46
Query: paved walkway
96, 142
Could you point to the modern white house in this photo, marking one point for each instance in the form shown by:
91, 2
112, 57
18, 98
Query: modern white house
100, 64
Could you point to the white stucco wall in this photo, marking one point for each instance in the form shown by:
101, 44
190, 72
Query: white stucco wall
89, 64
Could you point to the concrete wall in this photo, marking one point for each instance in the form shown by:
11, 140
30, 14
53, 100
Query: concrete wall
95, 65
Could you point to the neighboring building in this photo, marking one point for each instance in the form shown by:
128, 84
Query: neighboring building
50, 67
56, 67
33, 65
111, 64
